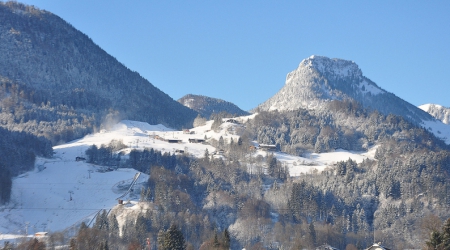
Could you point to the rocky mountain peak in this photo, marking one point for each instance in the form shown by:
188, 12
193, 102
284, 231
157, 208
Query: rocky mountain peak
437, 111
332, 67
319, 80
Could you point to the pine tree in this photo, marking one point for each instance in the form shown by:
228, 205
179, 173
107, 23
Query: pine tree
113, 225
142, 227
226, 239
172, 239
272, 169
445, 235
312, 233
216, 243
206, 155
160, 239
101, 221
221, 142
434, 241
83, 226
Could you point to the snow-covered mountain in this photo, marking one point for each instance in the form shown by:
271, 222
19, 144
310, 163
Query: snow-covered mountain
437, 111
319, 80
69, 83
208, 105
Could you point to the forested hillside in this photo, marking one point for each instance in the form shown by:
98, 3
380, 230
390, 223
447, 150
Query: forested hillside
393, 198
206, 106
319, 79
56, 82
57, 85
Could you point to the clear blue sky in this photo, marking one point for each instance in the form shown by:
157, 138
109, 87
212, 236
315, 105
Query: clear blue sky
241, 51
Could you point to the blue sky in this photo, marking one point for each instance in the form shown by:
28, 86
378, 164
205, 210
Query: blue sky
241, 51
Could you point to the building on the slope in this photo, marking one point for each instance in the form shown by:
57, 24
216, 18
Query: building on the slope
79, 158
174, 140
377, 246
233, 121
219, 152
193, 140
267, 147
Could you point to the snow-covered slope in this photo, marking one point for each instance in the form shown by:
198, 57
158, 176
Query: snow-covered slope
319, 80
62, 192
298, 165
437, 111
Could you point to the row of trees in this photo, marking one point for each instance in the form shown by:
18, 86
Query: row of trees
18, 151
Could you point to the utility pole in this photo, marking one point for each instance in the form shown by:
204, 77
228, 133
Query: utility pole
26, 228
70, 194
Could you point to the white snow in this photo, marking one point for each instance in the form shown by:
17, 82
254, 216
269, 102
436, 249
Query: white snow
369, 88
439, 129
437, 111
311, 162
62, 192
41, 199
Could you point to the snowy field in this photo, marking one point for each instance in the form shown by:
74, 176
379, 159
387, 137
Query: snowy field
301, 165
62, 192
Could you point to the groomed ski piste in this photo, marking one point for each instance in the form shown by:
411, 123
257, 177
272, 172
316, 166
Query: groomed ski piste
61, 192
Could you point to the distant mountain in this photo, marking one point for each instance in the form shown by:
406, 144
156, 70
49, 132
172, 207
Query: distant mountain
319, 80
55, 81
437, 111
205, 106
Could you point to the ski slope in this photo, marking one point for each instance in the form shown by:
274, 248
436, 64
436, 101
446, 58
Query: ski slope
62, 192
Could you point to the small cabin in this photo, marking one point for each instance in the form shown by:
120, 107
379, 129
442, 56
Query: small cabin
196, 140
173, 140
79, 158
40, 234
232, 121
219, 152
267, 147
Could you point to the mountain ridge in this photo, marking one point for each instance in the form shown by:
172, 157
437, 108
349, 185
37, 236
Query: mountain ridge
437, 111
48, 66
206, 106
